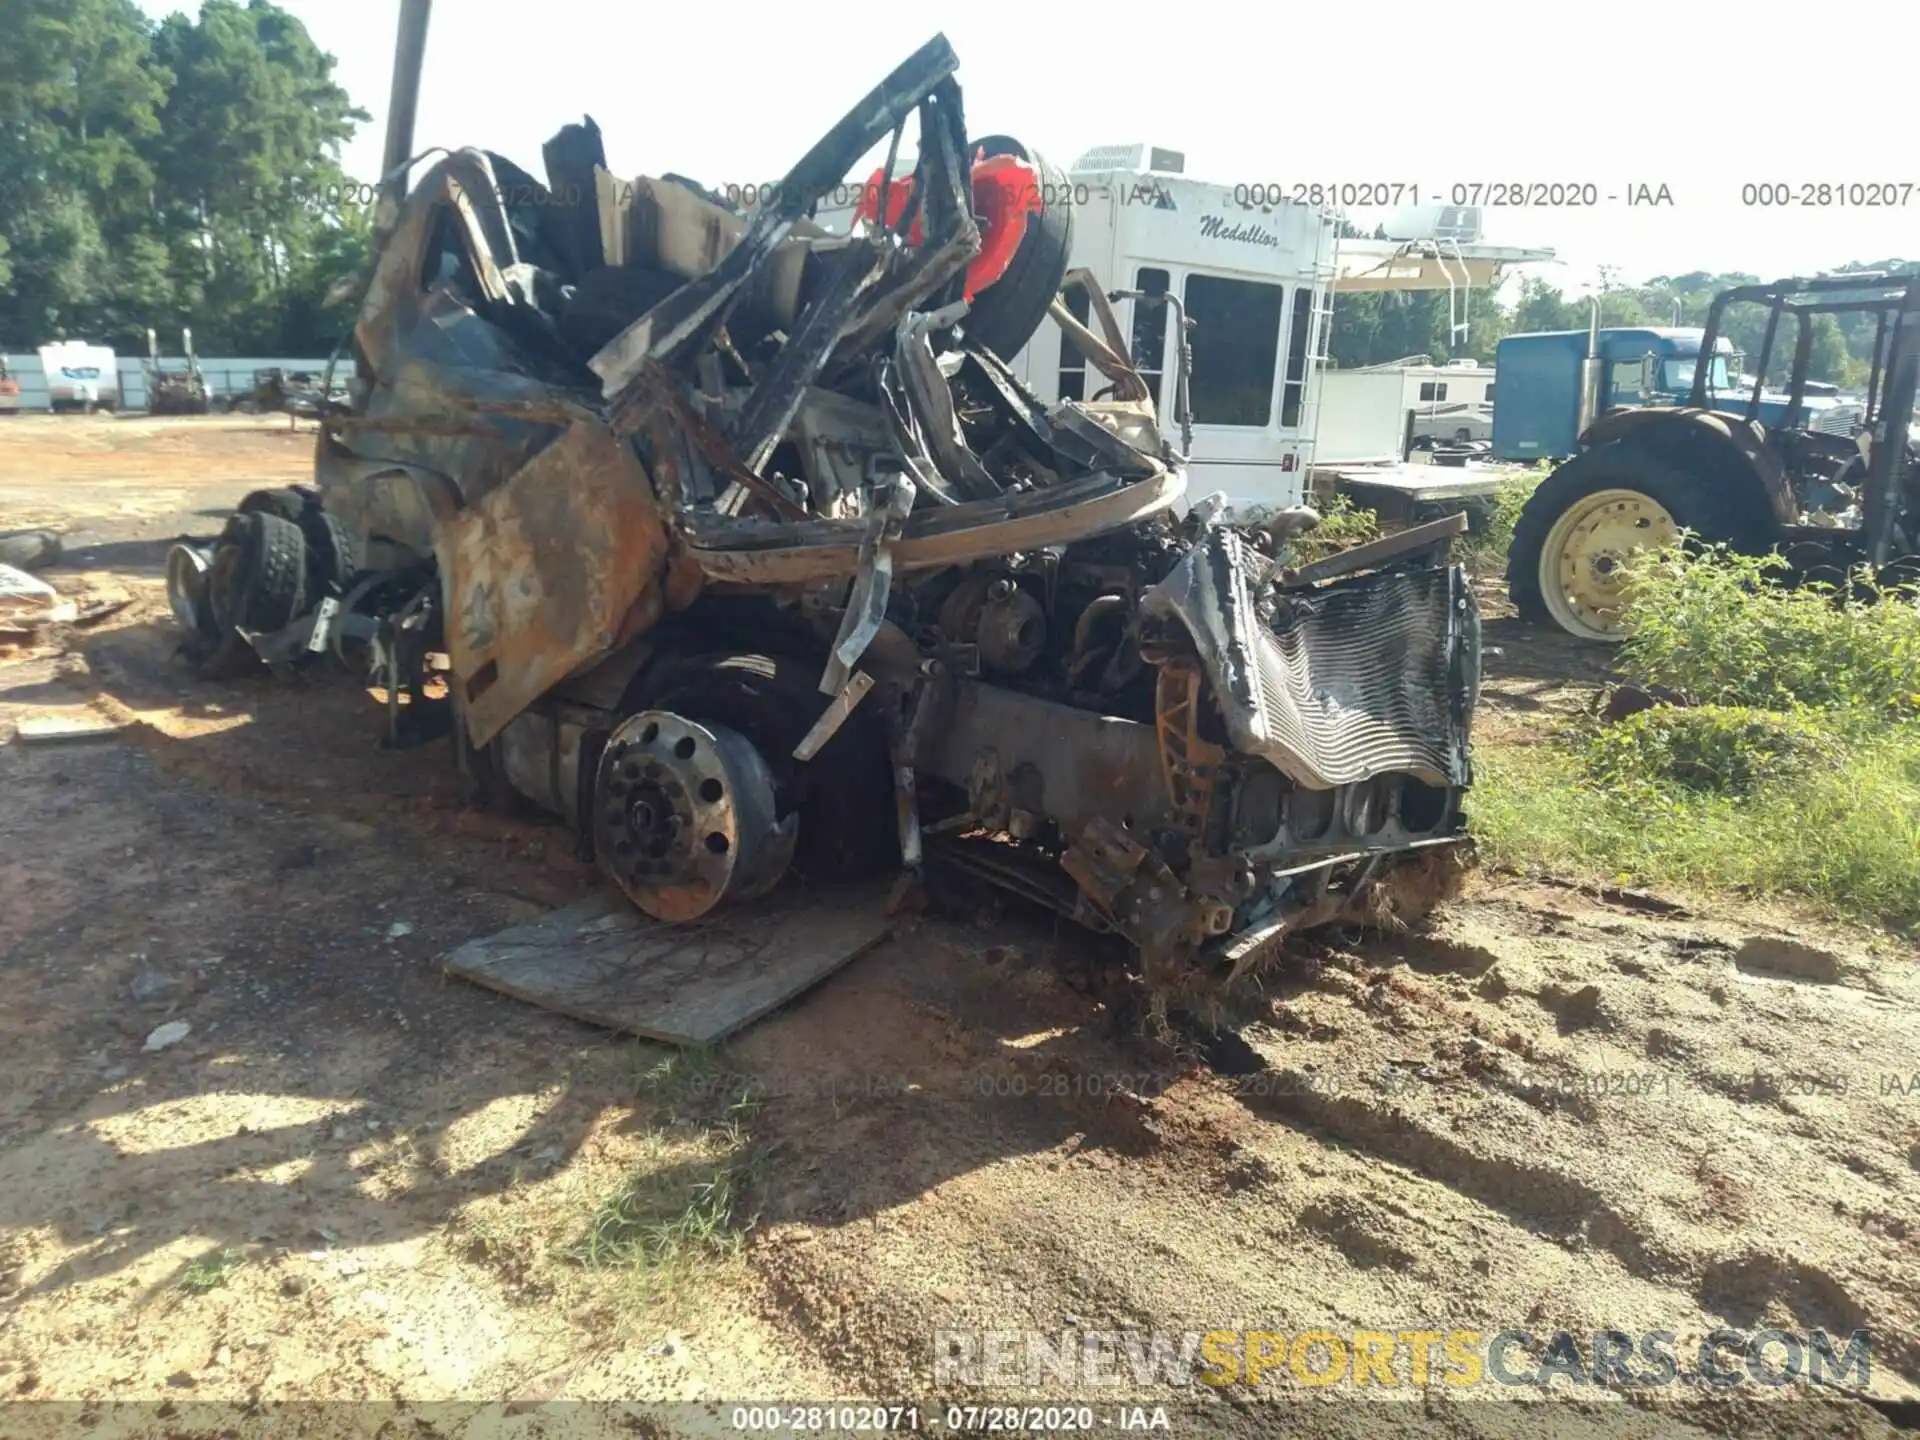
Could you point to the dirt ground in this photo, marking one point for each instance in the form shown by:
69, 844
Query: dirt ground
1551, 1108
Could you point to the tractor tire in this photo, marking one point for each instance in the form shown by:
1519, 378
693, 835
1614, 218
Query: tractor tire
1008, 312
1646, 482
844, 794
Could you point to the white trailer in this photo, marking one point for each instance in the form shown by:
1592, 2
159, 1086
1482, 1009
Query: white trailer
1378, 412
80, 376
1449, 402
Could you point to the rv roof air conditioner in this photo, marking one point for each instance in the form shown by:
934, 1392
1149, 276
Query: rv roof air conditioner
1152, 159
1458, 223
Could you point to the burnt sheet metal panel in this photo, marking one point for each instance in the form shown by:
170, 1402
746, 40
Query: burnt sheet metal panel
758, 552
1073, 766
1353, 679
557, 566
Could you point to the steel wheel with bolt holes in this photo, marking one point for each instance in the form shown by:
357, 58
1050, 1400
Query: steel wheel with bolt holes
1581, 562
684, 816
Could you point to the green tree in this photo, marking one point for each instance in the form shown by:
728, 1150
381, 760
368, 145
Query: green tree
79, 95
1541, 306
179, 174
249, 173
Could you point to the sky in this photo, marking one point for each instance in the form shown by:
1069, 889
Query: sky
1399, 91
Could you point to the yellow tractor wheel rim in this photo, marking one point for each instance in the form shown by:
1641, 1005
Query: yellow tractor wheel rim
1580, 565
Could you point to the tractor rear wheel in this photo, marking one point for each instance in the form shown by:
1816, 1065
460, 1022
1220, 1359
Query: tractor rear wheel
1564, 566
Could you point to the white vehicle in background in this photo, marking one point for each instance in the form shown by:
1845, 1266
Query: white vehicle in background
1451, 403
1378, 413
80, 376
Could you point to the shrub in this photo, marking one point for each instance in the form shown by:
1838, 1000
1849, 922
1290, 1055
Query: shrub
1716, 626
1799, 774
1486, 548
1727, 749
1342, 526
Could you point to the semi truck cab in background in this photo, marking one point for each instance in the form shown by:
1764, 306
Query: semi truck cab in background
1554, 384
1550, 392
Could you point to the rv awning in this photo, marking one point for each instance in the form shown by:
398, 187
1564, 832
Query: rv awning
1365, 265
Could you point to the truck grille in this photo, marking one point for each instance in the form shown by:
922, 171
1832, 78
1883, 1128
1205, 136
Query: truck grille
1358, 677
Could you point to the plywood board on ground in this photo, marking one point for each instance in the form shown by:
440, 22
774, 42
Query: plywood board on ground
602, 961
67, 726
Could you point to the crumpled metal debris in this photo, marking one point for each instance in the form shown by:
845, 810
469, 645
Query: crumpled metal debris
593, 419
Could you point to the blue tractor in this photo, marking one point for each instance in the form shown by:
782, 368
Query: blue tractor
1662, 443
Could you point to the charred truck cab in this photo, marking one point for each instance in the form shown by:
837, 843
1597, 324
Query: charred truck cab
742, 548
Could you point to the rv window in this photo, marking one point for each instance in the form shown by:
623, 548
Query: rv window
1073, 365
1150, 330
1236, 346
1295, 393
1429, 390
1489, 393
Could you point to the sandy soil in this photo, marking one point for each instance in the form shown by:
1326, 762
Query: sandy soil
1553, 1107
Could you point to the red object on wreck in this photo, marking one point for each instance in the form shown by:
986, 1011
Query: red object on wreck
1006, 190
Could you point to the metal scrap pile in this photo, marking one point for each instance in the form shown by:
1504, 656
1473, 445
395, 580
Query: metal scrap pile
734, 531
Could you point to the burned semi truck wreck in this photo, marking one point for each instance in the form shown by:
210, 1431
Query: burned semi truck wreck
736, 545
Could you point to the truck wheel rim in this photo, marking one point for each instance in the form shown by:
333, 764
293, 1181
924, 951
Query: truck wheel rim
685, 816
1580, 565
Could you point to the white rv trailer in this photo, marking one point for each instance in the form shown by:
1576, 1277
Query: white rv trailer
1453, 401
1376, 413
1255, 272
80, 376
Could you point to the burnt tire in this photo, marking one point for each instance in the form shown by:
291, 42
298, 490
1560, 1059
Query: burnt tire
333, 551
289, 502
216, 650
844, 794
223, 657
1007, 312
258, 578
1696, 503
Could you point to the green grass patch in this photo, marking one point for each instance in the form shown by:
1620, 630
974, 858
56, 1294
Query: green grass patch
693, 1204
211, 1271
1799, 775
692, 1199
1846, 837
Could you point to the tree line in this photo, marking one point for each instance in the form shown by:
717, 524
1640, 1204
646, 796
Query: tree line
171, 174
1374, 329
